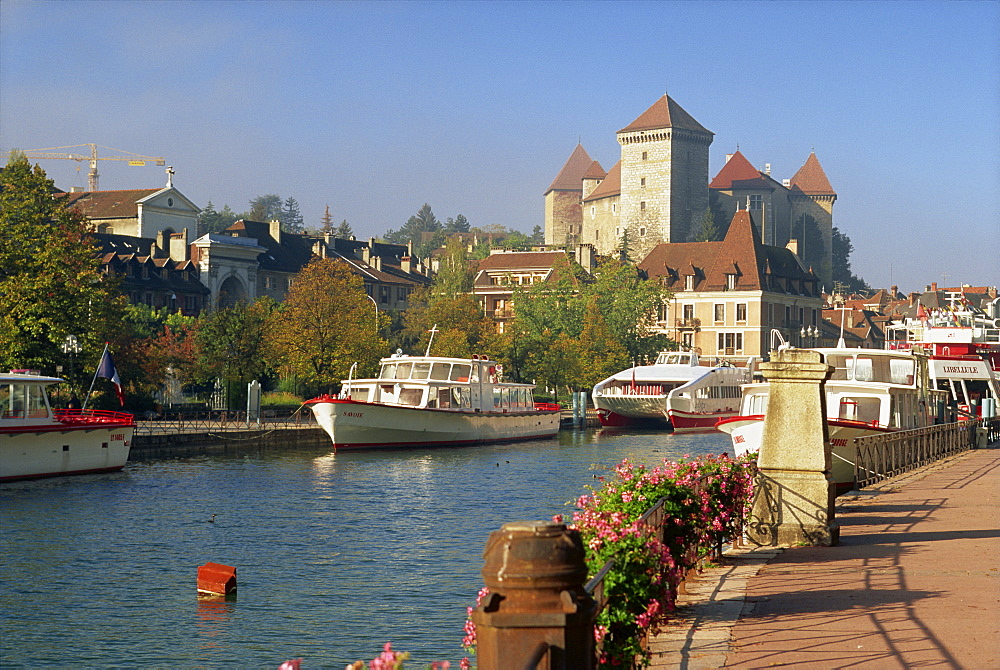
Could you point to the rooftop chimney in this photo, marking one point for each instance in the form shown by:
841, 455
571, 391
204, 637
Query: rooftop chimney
179, 249
405, 264
276, 230
729, 156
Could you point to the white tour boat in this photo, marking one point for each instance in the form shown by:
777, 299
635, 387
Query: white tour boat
419, 401
962, 344
702, 402
677, 385
38, 441
870, 391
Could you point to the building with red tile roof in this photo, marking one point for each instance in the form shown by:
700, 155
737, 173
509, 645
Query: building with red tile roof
729, 295
659, 191
797, 213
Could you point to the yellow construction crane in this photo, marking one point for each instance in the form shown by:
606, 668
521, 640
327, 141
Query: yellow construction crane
92, 176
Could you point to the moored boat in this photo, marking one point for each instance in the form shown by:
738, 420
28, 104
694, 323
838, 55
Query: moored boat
870, 391
419, 401
702, 402
638, 395
39, 441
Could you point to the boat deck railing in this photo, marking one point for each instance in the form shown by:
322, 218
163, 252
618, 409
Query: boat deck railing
211, 421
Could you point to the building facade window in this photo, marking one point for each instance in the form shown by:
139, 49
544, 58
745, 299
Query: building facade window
688, 311
688, 282
687, 340
593, 211
730, 344
642, 182
741, 311
269, 283
645, 155
720, 313
731, 282
383, 294
614, 208
755, 202
642, 205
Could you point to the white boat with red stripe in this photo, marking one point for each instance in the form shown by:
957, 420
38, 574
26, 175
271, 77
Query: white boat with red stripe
423, 401
39, 441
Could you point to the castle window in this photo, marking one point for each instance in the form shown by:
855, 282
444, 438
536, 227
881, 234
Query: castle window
614, 208
593, 211
642, 182
645, 155
642, 231
642, 205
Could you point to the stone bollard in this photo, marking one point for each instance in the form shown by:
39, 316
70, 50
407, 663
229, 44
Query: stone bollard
794, 497
537, 614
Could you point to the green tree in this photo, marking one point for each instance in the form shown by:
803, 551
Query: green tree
629, 304
423, 221
212, 221
455, 274
706, 230
537, 235
265, 208
841, 251
50, 283
326, 324
459, 224
462, 327
601, 354
344, 231
291, 217
556, 366
231, 347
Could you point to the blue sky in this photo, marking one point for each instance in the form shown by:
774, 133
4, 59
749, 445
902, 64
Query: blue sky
375, 108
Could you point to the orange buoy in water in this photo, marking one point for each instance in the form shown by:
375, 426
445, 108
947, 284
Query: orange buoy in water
216, 579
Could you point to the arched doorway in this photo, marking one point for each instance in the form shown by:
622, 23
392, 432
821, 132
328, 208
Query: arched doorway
231, 292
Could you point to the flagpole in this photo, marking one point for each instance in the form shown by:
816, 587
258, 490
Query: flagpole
87, 398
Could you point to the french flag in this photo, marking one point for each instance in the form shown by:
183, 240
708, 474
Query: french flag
107, 370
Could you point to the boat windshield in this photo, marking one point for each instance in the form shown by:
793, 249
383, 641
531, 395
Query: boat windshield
22, 401
881, 369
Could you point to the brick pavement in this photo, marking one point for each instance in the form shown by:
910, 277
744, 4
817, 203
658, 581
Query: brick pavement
914, 582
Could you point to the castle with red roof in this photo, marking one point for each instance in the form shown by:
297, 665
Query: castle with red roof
659, 192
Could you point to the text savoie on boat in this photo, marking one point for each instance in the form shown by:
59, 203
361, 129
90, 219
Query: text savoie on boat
419, 401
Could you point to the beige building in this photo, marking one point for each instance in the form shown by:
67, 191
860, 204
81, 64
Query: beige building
728, 296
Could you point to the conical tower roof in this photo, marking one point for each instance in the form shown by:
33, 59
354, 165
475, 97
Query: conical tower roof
664, 113
570, 176
810, 179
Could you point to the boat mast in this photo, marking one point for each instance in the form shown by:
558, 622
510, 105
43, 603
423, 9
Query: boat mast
430, 341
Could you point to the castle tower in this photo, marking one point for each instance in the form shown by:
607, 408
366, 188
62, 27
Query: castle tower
812, 200
664, 173
563, 214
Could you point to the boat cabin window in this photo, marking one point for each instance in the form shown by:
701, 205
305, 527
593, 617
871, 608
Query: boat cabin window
440, 371
863, 369
901, 371
403, 370
21, 401
461, 396
411, 396
388, 371
360, 393
756, 404
840, 365
421, 370
860, 408
460, 372
439, 397
475, 372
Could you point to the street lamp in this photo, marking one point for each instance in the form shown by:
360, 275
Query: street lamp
376, 311
809, 333
72, 347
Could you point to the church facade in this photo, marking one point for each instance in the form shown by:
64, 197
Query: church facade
659, 192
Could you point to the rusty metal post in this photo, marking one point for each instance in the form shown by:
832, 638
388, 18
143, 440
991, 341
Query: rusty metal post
537, 614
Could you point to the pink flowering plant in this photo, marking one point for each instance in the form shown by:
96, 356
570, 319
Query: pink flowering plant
703, 504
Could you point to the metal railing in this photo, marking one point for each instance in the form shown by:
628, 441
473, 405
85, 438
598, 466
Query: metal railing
880, 457
214, 421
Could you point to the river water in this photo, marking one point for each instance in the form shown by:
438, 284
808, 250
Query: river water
336, 554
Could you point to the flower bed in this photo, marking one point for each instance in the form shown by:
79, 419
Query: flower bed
654, 525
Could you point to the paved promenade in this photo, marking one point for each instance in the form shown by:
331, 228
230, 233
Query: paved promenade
914, 582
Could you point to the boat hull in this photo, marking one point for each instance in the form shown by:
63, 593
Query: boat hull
51, 451
746, 433
632, 410
696, 422
358, 425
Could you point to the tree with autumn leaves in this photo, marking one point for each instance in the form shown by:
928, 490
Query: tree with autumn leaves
325, 325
